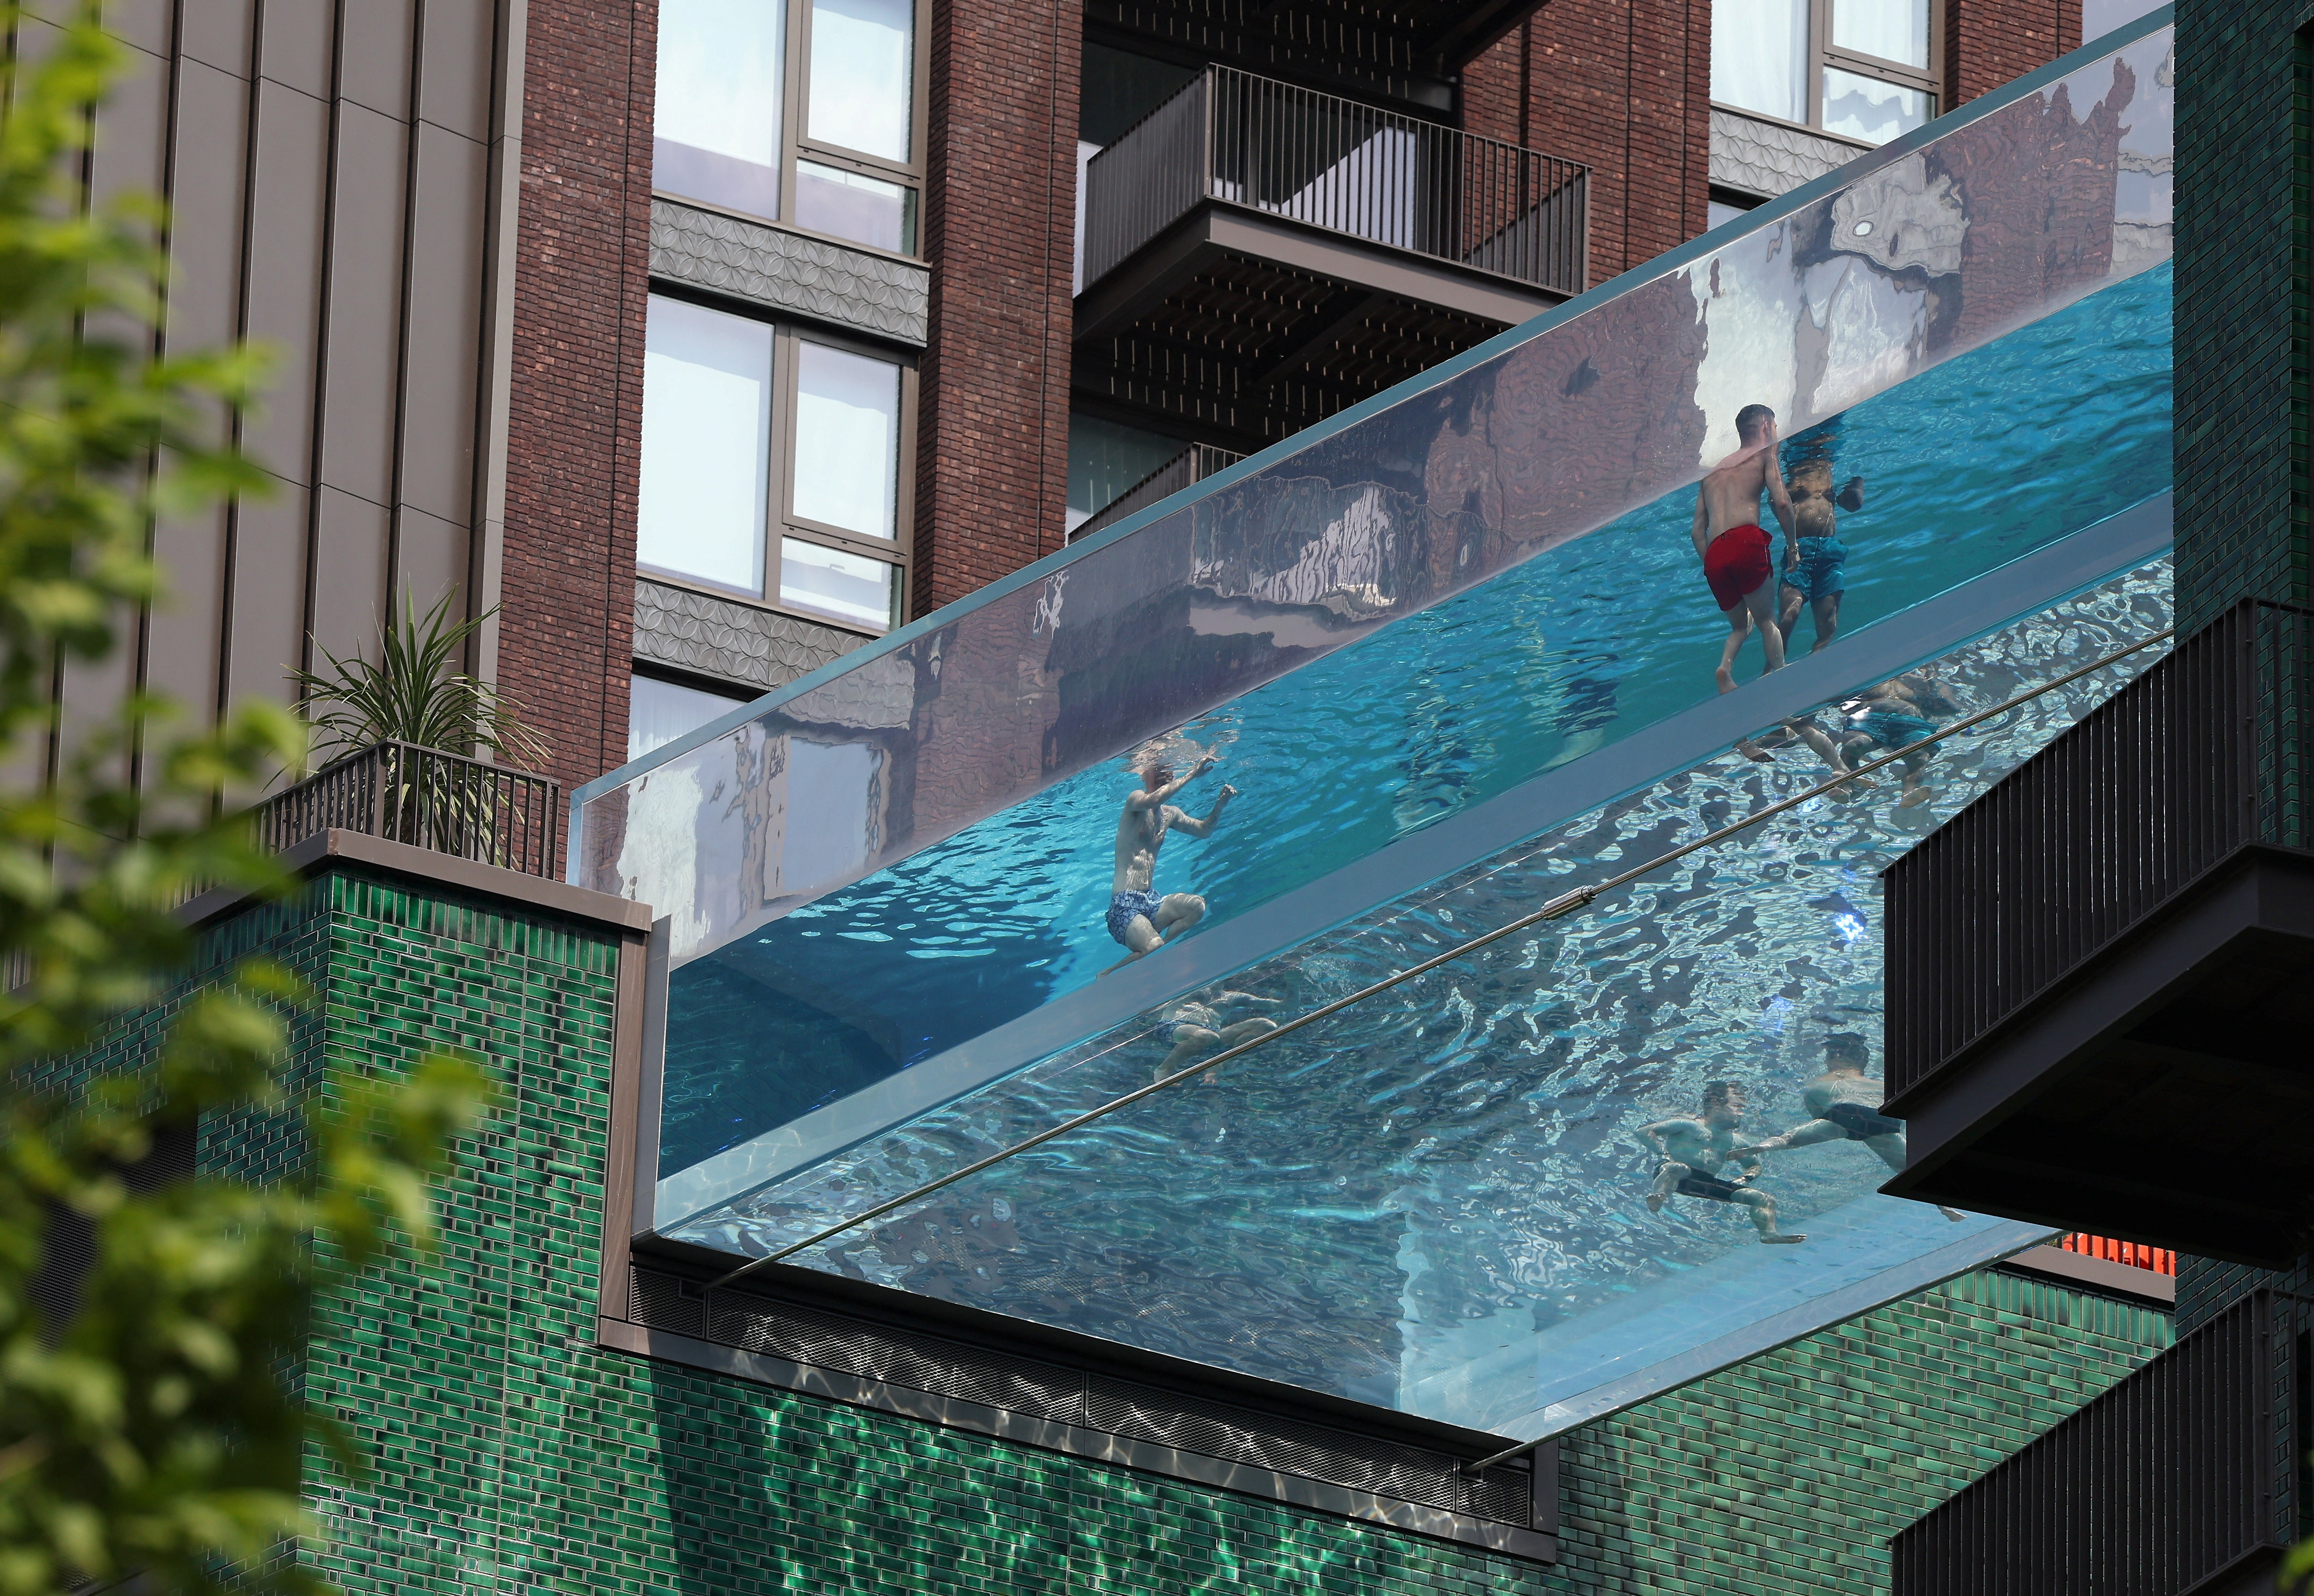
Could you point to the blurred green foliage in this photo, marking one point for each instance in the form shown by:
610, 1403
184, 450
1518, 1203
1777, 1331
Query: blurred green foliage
154, 1427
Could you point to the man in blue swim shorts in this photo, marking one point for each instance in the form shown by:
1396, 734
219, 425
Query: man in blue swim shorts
1816, 574
1138, 918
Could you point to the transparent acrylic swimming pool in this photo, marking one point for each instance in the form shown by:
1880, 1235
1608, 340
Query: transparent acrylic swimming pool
1449, 629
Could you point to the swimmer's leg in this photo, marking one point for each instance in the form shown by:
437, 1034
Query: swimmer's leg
1761, 602
1189, 1041
1739, 627
1793, 598
1244, 1030
1764, 1217
1827, 619
1667, 1179
1914, 766
1179, 913
1891, 1149
1140, 937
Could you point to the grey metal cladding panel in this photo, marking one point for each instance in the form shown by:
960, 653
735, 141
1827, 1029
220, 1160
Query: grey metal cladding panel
131, 148
268, 595
145, 24
429, 557
455, 66
446, 311
374, 54
181, 658
348, 574
364, 337
285, 269
696, 631
787, 271
295, 46
1767, 158
219, 33
205, 212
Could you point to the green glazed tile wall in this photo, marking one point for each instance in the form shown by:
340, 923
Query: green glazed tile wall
512, 1455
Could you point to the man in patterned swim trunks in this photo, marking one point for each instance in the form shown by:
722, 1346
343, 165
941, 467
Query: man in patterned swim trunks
1735, 550
1137, 917
1691, 1151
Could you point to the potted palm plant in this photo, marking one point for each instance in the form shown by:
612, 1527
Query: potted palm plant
428, 732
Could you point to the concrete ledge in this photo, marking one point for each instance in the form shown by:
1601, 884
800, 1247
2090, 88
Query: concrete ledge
333, 849
2100, 1274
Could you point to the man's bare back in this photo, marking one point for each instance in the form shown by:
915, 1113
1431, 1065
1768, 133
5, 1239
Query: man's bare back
1730, 495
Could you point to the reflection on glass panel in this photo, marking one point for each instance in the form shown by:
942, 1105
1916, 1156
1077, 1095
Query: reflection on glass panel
706, 454
1105, 458
718, 132
1759, 52
1893, 30
1865, 107
861, 208
863, 54
847, 458
847, 587
658, 712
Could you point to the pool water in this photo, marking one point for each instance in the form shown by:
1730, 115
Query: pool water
1435, 1201
2064, 422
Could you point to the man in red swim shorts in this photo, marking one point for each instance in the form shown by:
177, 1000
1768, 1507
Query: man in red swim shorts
1737, 553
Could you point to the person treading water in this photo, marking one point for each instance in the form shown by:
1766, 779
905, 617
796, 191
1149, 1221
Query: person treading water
1198, 1028
1846, 1103
1138, 918
1692, 1152
1736, 552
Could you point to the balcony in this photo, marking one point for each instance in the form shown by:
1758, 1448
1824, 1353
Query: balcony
1192, 466
2101, 973
425, 797
2182, 1477
1258, 256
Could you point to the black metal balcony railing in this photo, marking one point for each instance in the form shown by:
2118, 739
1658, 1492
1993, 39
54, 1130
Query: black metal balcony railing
2182, 1471
1192, 464
2204, 753
1330, 162
444, 802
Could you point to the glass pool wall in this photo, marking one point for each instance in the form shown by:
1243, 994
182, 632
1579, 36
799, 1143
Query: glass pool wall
1435, 1201
876, 876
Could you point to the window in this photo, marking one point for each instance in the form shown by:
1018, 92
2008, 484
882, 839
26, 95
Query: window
1105, 459
796, 111
1864, 69
755, 432
659, 711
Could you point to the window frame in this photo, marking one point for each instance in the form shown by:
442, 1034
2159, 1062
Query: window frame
796, 144
779, 520
1824, 53
1929, 80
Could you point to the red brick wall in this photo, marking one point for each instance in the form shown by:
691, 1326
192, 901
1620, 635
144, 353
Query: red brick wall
1988, 42
580, 292
992, 441
1624, 87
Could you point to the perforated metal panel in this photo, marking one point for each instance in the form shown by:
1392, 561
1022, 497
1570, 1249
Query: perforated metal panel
1132, 1411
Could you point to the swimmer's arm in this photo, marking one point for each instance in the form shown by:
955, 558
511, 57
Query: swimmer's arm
1175, 820
1165, 793
1652, 1135
1780, 500
1701, 528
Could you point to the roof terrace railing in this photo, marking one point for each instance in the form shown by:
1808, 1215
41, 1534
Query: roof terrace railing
1192, 464
2203, 755
1348, 168
447, 803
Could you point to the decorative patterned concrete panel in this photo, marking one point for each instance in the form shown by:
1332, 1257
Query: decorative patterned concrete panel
1763, 158
787, 271
718, 637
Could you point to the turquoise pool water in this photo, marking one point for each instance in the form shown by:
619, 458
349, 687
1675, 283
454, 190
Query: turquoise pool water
1436, 1201
1968, 466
